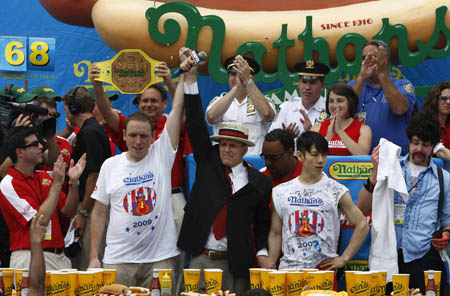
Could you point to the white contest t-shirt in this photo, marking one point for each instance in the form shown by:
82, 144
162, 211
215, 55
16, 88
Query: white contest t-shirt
310, 217
141, 226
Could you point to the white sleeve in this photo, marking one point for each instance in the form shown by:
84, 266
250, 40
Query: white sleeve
100, 192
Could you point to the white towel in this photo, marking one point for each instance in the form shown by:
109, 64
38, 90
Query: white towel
383, 248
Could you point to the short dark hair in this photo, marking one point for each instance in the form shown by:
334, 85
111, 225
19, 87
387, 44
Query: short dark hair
283, 136
16, 139
343, 89
159, 87
310, 138
82, 96
46, 100
378, 43
425, 126
257, 292
140, 116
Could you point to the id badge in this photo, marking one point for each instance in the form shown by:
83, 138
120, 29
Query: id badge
399, 213
48, 232
361, 117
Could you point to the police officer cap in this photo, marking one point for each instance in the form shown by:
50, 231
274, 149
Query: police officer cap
311, 70
229, 63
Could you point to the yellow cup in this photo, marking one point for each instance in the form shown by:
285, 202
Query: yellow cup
109, 276
72, 279
437, 280
314, 279
295, 281
191, 279
277, 283
213, 280
361, 286
85, 283
98, 280
380, 285
59, 283
265, 281
350, 282
48, 288
255, 278
8, 280
18, 275
400, 284
328, 280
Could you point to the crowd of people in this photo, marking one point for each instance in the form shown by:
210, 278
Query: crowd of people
90, 207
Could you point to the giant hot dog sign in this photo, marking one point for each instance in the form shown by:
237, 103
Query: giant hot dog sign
277, 37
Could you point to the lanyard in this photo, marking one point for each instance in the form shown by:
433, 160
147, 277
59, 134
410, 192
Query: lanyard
373, 98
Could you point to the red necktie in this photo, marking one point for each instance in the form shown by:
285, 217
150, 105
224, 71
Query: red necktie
220, 223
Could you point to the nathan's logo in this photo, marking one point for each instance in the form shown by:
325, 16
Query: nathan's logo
305, 223
85, 289
211, 284
295, 287
325, 285
60, 287
140, 201
191, 287
398, 288
305, 201
129, 73
359, 288
255, 286
350, 170
278, 289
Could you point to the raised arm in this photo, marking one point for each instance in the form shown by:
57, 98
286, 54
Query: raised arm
215, 112
364, 201
101, 100
362, 147
37, 262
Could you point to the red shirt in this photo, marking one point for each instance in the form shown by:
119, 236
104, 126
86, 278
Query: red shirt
20, 199
445, 135
184, 146
335, 145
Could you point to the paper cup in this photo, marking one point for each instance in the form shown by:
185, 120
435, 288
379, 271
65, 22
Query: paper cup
8, 280
437, 280
400, 284
213, 280
277, 283
85, 283
380, 289
265, 281
48, 288
18, 275
295, 281
109, 276
72, 279
314, 279
59, 283
255, 278
362, 284
191, 279
328, 280
350, 282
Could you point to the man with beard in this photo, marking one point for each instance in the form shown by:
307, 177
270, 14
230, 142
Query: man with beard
417, 218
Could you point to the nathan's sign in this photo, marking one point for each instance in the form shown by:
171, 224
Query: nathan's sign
277, 39
131, 71
350, 170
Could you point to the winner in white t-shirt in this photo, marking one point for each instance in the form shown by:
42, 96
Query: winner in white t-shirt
305, 220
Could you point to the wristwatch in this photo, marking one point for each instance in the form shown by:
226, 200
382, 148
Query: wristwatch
369, 186
84, 213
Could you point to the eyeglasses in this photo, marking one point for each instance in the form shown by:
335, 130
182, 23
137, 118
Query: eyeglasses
444, 99
272, 157
35, 143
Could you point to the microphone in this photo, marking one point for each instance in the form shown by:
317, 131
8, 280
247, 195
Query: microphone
28, 107
198, 58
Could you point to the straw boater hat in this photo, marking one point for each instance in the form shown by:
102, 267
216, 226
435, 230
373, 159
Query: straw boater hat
233, 131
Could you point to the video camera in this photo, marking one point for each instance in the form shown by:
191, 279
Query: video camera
10, 110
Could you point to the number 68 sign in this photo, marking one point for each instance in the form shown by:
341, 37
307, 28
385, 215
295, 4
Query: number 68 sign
19, 54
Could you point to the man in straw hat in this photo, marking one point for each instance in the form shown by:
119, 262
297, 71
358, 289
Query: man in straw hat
244, 103
228, 196
300, 113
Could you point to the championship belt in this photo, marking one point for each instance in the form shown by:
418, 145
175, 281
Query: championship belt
131, 71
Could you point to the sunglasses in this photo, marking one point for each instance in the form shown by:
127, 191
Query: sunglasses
35, 143
272, 157
444, 99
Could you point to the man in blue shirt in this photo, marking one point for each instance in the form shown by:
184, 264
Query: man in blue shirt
385, 103
417, 219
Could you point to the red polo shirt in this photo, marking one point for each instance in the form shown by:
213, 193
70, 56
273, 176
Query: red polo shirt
184, 146
295, 173
20, 199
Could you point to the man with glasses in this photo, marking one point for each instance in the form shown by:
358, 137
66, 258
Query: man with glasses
25, 193
417, 219
278, 154
385, 103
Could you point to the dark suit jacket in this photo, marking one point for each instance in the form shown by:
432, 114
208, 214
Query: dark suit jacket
211, 191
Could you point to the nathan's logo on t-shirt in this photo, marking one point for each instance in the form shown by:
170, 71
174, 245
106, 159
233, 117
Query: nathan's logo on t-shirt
147, 177
305, 201
140, 201
305, 223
